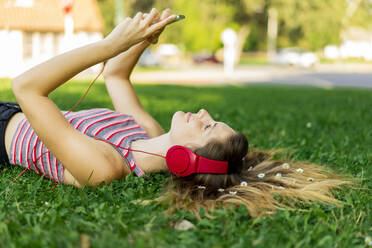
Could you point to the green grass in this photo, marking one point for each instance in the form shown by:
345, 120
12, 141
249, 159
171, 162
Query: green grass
340, 137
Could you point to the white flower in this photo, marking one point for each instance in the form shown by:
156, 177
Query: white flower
299, 170
368, 241
278, 175
261, 175
233, 192
281, 187
310, 179
201, 187
46, 203
286, 166
244, 184
221, 190
308, 125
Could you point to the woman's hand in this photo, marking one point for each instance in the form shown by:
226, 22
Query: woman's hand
153, 39
132, 31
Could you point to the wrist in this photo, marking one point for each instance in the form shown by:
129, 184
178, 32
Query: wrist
109, 47
144, 44
138, 49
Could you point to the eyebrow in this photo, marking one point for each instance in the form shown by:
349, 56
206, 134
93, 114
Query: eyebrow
215, 124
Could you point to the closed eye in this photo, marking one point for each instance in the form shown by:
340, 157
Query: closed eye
207, 126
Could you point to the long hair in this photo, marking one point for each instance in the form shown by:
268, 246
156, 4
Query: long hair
254, 179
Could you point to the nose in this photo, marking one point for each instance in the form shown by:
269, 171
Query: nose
204, 115
202, 112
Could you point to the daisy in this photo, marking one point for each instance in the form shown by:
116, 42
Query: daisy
233, 192
261, 175
221, 190
368, 241
286, 166
278, 175
299, 170
201, 187
244, 184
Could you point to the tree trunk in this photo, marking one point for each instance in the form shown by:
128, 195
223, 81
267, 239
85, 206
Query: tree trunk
351, 8
272, 33
119, 11
242, 36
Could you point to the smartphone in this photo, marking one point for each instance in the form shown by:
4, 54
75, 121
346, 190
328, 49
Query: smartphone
179, 18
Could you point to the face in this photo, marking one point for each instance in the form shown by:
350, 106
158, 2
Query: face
196, 130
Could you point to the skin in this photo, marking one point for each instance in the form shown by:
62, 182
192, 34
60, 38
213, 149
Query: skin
187, 129
88, 161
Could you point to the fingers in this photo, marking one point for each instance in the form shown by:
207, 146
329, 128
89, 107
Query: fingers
149, 18
165, 14
161, 24
138, 17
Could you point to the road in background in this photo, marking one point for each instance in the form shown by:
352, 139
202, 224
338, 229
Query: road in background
325, 76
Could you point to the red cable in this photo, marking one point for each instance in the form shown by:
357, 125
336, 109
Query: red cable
81, 99
129, 149
86, 92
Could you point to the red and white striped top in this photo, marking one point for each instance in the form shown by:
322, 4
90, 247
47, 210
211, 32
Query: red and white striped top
101, 123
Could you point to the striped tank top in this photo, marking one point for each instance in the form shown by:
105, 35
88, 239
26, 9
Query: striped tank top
101, 123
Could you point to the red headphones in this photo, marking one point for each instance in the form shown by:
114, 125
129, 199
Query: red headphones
183, 162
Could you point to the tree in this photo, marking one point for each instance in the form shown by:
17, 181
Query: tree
107, 8
201, 30
309, 24
360, 13
247, 13
134, 6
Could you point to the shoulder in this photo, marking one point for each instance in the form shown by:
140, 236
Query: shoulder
149, 124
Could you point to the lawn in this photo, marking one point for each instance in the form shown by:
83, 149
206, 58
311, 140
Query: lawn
329, 127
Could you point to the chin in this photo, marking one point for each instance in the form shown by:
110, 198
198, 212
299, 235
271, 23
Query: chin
177, 117
178, 122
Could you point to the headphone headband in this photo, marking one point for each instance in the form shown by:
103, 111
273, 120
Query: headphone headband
183, 162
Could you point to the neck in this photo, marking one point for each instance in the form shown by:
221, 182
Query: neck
158, 145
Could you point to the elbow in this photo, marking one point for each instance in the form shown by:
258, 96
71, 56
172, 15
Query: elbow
102, 178
22, 86
18, 87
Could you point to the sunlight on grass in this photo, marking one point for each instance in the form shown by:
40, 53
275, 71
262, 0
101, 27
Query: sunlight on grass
329, 127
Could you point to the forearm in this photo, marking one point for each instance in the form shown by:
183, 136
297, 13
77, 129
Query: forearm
122, 65
46, 77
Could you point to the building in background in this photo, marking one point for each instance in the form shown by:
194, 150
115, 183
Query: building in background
32, 31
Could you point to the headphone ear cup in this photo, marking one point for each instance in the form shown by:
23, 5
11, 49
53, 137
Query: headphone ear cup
183, 162
179, 161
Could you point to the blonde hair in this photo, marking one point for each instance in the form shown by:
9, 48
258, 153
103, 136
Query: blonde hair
254, 180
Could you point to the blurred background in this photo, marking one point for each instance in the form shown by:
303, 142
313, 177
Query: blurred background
290, 41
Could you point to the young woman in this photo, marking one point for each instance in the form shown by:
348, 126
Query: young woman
88, 147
